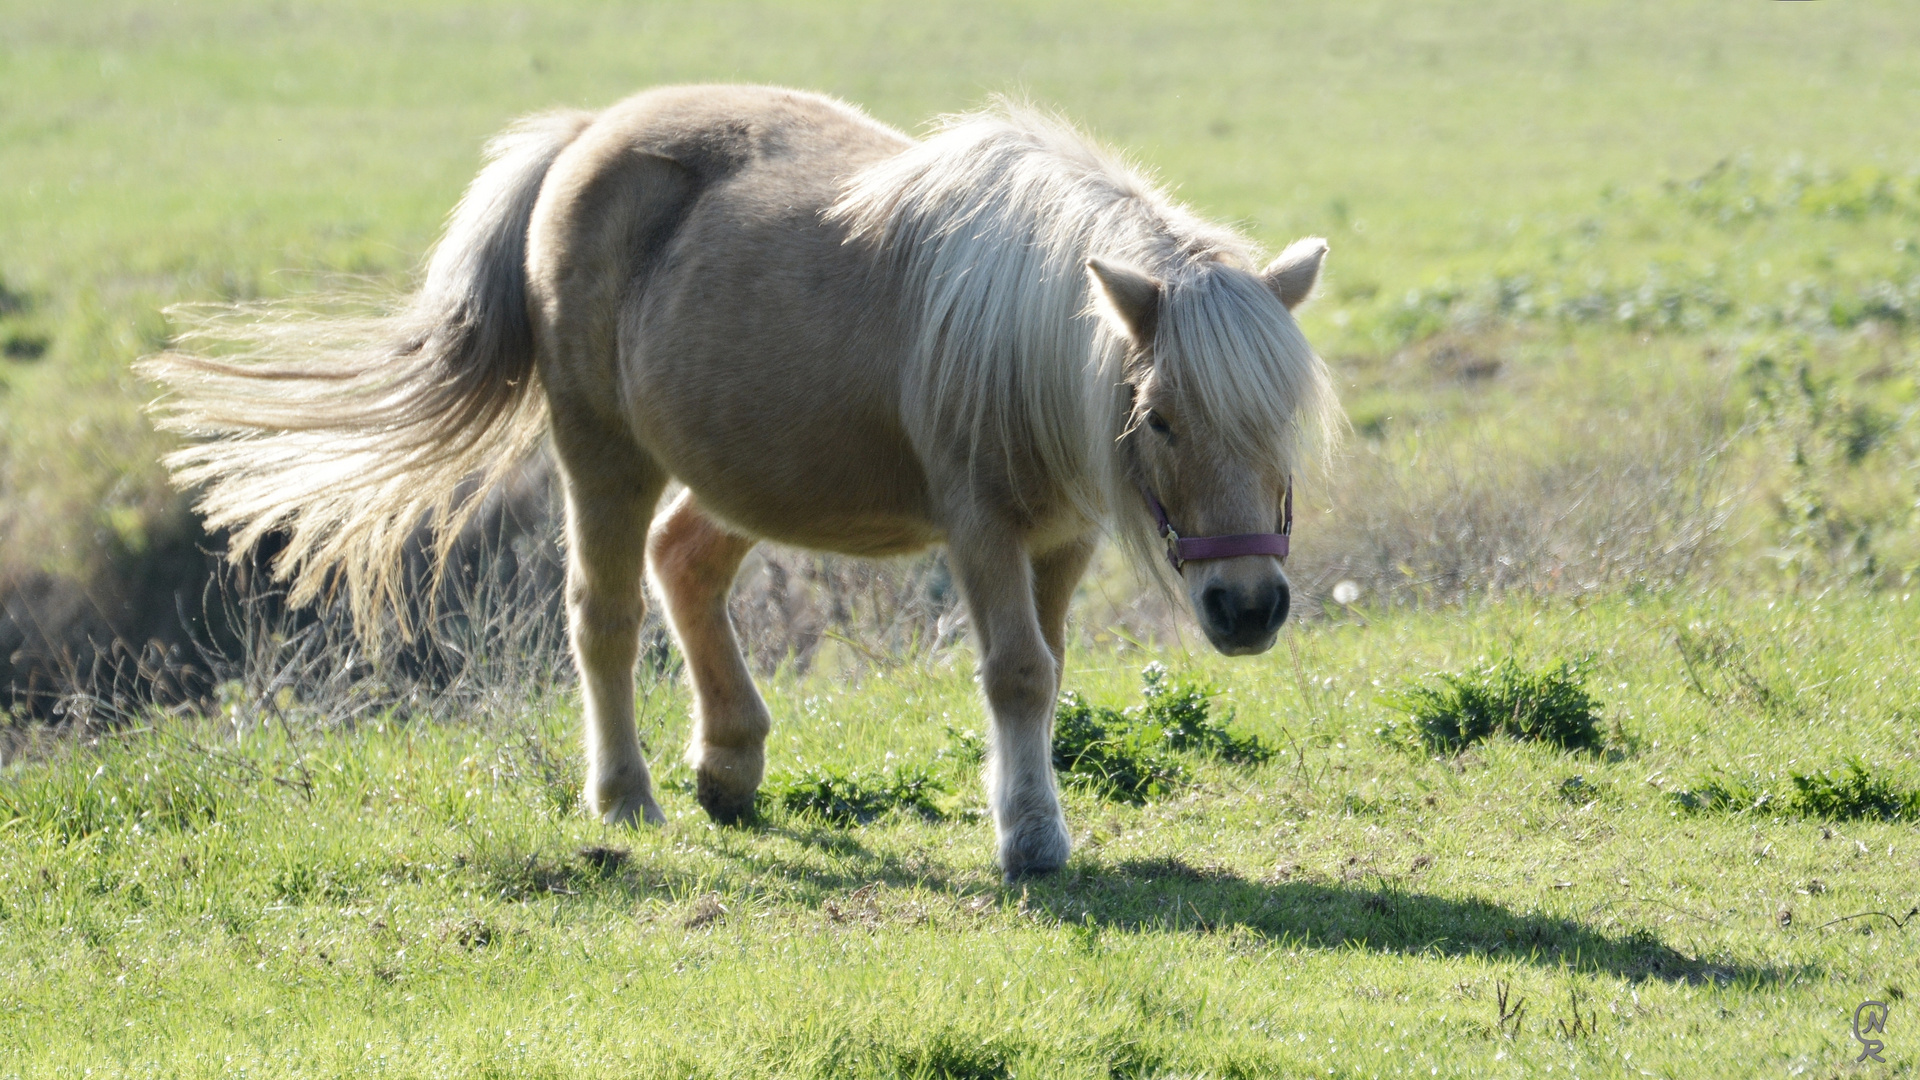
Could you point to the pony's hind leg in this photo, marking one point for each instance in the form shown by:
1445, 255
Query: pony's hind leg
609, 502
692, 560
1055, 575
602, 211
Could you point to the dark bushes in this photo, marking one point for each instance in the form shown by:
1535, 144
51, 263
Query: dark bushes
855, 797
1549, 705
1856, 794
1132, 754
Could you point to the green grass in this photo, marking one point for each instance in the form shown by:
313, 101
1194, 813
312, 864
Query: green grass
426, 900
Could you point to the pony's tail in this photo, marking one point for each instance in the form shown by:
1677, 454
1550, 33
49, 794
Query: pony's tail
345, 431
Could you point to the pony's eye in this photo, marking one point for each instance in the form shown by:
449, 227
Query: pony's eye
1159, 424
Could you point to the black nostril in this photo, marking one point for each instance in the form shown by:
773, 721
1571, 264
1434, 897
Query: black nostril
1243, 618
1219, 608
1276, 612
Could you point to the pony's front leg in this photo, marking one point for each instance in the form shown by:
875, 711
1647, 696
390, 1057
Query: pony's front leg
692, 561
1020, 677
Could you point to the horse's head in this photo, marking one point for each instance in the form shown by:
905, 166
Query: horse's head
1223, 390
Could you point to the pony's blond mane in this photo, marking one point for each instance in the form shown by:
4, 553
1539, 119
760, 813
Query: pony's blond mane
992, 220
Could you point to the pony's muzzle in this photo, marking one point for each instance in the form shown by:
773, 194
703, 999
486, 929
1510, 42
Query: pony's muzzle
1242, 618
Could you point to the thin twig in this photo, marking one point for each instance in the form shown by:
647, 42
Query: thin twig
1898, 923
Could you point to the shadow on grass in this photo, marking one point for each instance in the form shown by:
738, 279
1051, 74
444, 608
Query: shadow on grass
1169, 896
1385, 916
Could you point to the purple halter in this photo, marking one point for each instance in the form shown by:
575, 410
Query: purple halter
1183, 550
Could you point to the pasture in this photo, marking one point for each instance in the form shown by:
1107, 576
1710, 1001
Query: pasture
1624, 304
255, 897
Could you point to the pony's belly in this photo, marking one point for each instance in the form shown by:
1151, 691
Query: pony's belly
819, 523
868, 536
858, 493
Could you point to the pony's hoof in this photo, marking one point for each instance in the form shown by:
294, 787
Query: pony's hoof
623, 797
726, 782
1034, 848
725, 804
633, 814
633, 811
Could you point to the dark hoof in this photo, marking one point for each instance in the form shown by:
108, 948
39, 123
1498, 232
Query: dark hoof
1034, 849
1030, 873
725, 803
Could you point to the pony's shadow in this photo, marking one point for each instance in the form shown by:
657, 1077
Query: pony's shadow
1167, 895
1384, 915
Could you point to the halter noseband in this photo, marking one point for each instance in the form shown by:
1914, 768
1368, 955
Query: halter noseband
1182, 550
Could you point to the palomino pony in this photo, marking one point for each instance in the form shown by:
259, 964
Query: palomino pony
830, 335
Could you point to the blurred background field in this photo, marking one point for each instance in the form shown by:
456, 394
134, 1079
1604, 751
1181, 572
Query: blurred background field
1620, 294
1624, 304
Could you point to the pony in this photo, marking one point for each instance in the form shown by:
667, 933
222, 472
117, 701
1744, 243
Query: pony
805, 327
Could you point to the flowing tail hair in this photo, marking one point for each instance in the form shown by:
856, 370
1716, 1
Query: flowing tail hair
345, 432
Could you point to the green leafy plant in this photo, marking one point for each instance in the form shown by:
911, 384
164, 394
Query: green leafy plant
854, 797
1134, 754
1854, 792
1719, 793
1858, 795
1183, 710
1549, 705
1106, 750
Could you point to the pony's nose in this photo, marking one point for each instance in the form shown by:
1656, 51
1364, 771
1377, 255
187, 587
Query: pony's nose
1242, 619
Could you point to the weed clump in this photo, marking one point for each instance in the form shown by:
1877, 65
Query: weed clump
1549, 705
1855, 794
1129, 755
1132, 754
1183, 712
1719, 793
854, 797
1859, 795
1106, 750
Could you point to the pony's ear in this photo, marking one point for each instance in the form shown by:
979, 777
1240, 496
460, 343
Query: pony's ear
1128, 298
1293, 274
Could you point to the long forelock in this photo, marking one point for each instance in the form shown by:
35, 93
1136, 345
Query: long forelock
1232, 352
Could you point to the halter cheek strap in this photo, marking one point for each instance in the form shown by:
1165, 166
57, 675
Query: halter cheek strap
1182, 550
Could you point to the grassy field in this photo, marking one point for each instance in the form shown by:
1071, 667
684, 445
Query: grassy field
1625, 304
250, 897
